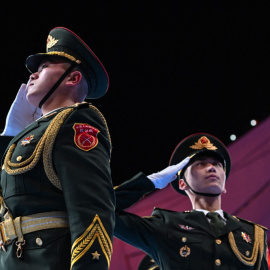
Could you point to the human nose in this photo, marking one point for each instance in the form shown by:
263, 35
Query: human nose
211, 167
33, 76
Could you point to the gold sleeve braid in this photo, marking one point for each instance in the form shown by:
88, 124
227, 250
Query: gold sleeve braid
45, 146
258, 248
95, 231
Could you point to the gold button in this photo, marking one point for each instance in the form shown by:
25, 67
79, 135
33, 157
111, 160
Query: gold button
247, 253
39, 242
184, 239
218, 241
218, 262
19, 158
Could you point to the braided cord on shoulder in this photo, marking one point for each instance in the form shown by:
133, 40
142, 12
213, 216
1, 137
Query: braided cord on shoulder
105, 123
257, 252
44, 145
52, 132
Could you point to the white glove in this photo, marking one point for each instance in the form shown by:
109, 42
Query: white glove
21, 114
163, 178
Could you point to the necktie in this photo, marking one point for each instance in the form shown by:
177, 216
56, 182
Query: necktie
216, 222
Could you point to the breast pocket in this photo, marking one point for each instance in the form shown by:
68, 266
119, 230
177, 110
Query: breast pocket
189, 250
19, 184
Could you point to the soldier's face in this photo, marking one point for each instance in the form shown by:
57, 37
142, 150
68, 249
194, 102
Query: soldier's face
43, 80
206, 175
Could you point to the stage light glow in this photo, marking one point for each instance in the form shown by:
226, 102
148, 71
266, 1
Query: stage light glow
253, 122
233, 137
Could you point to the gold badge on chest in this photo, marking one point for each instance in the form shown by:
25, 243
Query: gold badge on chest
246, 237
184, 251
27, 140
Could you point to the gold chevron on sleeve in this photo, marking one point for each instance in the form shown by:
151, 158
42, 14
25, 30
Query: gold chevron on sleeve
95, 231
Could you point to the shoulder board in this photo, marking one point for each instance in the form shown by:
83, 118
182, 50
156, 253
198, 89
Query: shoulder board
250, 222
170, 211
149, 216
162, 209
80, 105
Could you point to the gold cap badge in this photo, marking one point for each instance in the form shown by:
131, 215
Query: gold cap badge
203, 142
51, 41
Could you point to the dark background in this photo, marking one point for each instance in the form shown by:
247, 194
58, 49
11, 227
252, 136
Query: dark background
176, 68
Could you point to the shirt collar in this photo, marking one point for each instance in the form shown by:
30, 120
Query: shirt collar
221, 213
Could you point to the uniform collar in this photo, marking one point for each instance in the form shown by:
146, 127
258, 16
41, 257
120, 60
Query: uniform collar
220, 212
49, 113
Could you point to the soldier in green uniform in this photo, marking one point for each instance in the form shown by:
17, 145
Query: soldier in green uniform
57, 199
204, 238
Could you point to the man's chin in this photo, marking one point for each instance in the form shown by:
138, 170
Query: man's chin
32, 99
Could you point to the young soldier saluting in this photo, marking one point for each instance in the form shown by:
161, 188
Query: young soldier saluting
57, 202
204, 238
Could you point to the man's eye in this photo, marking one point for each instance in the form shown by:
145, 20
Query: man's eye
200, 163
42, 67
219, 164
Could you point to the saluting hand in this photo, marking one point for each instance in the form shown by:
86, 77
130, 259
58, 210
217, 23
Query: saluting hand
21, 114
163, 178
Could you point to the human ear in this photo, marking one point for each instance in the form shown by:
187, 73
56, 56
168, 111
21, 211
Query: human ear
74, 78
182, 185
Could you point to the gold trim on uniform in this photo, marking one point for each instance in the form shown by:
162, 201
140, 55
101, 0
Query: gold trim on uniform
66, 55
44, 146
258, 248
105, 122
95, 231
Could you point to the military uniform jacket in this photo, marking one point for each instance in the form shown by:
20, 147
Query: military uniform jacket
61, 162
186, 240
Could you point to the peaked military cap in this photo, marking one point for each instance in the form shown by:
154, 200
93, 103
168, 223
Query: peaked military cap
64, 43
197, 145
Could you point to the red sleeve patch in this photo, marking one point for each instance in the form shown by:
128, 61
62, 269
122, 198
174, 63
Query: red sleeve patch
85, 136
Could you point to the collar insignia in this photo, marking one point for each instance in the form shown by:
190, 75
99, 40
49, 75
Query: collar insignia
246, 237
51, 41
203, 142
27, 140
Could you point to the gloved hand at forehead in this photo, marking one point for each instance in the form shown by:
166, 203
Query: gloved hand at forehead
21, 114
163, 178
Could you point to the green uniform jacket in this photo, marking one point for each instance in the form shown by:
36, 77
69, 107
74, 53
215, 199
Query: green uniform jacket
70, 173
185, 240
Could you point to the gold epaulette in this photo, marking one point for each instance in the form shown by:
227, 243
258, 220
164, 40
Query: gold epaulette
258, 248
250, 222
